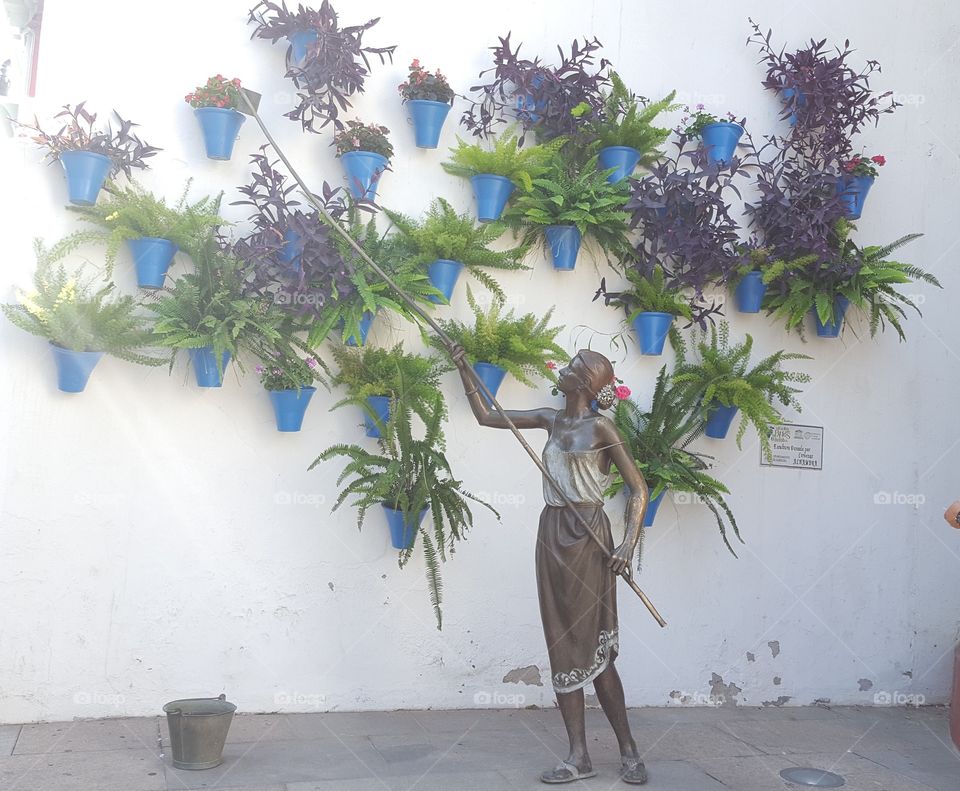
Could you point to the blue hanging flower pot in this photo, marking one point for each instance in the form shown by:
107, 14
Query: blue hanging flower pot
750, 292
492, 376
492, 193
853, 193
73, 368
205, 366
623, 158
220, 126
403, 527
832, 328
152, 258
652, 328
428, 117
652, 507
443, 275
364, 169
300, 43
289, 407
86, 172
720, 141
365, 321
564, 243
379, 405
788, 94
719, 418
289, 253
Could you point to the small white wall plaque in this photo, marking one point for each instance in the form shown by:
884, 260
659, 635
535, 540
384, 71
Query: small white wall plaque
791, 445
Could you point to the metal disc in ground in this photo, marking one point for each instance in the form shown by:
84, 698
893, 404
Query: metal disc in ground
815, 778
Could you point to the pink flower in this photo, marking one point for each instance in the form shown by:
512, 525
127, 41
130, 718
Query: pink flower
311, 363
879, 159
356, 142
259, 369
699, 106
623, 392
415, 63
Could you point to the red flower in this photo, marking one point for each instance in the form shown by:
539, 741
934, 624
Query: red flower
879, 159
623, 392
552, 365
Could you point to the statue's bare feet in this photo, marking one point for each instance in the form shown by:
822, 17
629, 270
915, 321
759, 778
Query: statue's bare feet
633, 771
568, 771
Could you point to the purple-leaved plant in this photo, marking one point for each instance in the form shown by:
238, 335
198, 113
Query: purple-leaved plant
322, 274
829, 99
553, 101
337, 63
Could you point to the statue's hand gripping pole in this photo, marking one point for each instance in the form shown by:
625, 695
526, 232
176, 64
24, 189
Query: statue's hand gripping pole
251, 100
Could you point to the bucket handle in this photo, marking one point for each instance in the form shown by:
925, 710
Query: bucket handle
222, 697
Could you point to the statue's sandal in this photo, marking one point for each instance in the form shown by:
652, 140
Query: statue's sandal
633, 771
565, 773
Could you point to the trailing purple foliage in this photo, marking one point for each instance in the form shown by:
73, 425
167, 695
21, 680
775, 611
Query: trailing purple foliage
797, 207
322, 274
830, 100
554, 101
336, 66
684, 215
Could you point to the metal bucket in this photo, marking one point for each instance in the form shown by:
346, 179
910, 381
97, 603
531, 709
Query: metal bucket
198, 731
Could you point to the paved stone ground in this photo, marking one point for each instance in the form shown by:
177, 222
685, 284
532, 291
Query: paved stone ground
701, 749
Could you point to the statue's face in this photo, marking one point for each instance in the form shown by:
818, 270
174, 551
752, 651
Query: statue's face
573, 376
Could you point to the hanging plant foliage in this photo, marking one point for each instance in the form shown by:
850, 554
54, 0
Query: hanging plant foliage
336, 63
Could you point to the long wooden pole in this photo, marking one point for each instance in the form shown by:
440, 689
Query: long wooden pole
626, 574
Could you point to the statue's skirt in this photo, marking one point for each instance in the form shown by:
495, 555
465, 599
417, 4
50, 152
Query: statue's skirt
578, 595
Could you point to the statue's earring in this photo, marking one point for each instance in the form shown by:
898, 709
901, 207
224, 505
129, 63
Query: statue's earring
606, 396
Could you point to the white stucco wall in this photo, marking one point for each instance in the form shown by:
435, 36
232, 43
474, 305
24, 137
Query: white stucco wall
160, 541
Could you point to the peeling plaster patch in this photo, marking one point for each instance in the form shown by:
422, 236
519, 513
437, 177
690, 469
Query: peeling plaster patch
774, 646
777, 681
865, 684
725, 693
825, 702
778, 702
908, 673
330, 585
751, 657
529, 675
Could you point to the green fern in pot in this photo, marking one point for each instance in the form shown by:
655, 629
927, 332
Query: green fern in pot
349, 315
210, 313
568, 204
445, 243
650, 305
722, 382
495, 173
408, 477
862, 277
376, 380
153, 230
659, 439
624, 132
501, 342
82, 321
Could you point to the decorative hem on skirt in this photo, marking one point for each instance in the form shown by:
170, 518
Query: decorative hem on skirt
578, 595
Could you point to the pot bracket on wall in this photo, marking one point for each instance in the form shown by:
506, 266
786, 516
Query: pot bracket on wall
20, 47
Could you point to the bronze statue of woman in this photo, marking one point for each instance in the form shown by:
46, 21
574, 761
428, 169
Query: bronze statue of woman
576, 581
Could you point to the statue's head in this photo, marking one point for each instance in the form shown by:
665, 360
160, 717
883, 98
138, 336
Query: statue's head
588, 370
